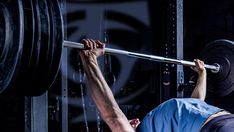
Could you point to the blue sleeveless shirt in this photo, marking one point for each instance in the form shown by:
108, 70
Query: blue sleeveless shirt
177, 115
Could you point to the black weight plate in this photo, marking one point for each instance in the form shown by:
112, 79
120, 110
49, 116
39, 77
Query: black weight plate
34, 58
5, 32
12, 25
26, 79
57, 37
28, 63
40, 76
29, 35
53, 32
220, 52
45, 32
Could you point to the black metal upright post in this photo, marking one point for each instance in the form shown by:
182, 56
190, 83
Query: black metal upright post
64, 87
169, 49
179, 44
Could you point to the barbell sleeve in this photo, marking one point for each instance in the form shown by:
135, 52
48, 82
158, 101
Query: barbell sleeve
214, 68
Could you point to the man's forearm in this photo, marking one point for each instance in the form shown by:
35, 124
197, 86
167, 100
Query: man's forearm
104, 98
98, 87
200, 88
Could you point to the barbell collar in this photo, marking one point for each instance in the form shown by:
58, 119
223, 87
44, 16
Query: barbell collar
214, 68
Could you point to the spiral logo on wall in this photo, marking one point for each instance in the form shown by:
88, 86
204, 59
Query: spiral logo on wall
122, 25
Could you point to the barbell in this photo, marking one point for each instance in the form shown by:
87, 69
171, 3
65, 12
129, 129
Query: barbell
32, 39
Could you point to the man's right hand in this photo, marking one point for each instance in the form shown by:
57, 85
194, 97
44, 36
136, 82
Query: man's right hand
92, 50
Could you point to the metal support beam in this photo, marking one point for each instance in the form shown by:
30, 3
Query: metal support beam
64, 83
39, 113
180, 44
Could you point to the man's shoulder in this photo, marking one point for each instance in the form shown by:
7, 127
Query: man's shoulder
180, 101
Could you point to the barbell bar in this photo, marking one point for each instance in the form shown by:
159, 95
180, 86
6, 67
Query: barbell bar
214, 68
220, 53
